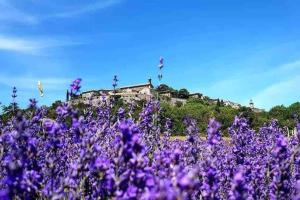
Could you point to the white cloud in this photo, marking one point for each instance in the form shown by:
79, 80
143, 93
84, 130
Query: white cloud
289, 67
19, 45
88, 8
30, 83
32, 46
10, 14
226, 86
272, 86
279, 93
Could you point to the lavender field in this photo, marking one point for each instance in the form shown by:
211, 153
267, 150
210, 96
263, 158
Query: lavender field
149, 100
101, 155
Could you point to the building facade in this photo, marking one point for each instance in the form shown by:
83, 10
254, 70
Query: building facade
126, 93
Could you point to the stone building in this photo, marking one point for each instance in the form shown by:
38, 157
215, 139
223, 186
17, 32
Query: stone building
126, 93
136, 92
196, 95
232, 104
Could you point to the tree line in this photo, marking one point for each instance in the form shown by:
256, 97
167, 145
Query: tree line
201, 109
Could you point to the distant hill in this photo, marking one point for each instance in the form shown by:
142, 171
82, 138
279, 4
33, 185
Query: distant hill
179, 104
174, 96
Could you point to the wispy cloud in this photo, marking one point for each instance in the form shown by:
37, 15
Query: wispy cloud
54, 89
272, 86
88, 8
11, 14
277, 93
288, 67
226, 86
30, 83
33, 46
19, 45
283, 90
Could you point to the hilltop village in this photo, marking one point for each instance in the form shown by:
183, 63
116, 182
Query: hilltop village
146, 91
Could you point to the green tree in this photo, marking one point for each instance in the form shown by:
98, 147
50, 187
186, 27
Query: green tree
163, 88
294, 110
183, 93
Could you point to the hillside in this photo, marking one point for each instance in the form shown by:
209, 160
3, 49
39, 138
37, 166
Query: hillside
202, 111
202, 108
179, 104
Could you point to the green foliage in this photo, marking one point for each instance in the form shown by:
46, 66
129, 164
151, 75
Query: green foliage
9, 111
286, 115
199, 109
178, 103
194, 108
202, 111
118, 103
52, 109
163, 88
183, 93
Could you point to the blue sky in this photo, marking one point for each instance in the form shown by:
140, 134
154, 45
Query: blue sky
230, 49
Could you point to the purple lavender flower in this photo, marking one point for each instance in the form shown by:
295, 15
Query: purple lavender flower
63, 110
121, 113
75, 86
14, 94
213, 133
100, 154
32, 103
298, 132
115, 82
239, 189
50, 126
210, 185
281, 175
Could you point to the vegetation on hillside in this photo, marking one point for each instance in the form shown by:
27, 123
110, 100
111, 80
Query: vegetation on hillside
199, 109
117, 151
